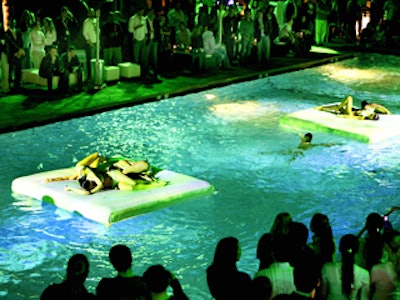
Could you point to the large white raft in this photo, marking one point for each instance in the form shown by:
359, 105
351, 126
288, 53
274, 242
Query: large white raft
367, 131
110, 206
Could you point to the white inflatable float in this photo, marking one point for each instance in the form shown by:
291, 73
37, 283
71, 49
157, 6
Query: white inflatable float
110, 206
367, 131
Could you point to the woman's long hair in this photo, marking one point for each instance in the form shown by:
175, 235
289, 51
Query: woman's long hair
323, 235
348, 248
226, 253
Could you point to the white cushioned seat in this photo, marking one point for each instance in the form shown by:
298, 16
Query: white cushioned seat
129, 70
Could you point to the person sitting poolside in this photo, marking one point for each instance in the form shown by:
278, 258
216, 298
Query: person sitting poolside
96, 172
345, 109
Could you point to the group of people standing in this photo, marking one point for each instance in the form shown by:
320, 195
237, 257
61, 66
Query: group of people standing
153, 285
290, 267
27, 44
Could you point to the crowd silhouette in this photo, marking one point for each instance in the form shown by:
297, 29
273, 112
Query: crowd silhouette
291, 266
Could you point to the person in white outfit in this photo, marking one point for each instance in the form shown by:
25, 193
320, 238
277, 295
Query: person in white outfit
50, 33
37, 42
214, 49
345, 280
89, 32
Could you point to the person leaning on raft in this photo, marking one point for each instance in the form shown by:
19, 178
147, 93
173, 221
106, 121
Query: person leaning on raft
96, 172
346, 110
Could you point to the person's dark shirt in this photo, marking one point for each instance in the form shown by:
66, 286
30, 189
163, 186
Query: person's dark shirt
47, 68
64, 291
179, 294
228, 284
230, 25
121, 288
69, 65
112, 32
156, 28
3, 44
65, 29
14, 43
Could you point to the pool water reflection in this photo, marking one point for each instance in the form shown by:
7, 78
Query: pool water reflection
230, 137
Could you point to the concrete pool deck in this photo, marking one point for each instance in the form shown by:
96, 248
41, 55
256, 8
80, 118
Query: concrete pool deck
33, 107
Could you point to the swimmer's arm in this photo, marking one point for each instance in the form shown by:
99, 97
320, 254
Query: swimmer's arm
76, 190
381, 109
92, 176
301, 136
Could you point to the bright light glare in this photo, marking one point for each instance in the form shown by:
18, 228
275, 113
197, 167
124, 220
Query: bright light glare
210, 96
318, 49
241, 110
349, 75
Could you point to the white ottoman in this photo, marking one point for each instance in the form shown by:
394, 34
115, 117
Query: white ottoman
111, 73
30, 76
43, 81
129, 70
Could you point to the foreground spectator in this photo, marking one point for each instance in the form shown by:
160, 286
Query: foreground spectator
72, 288
280, 272
345, 280
158, 279
224, 280
126, 285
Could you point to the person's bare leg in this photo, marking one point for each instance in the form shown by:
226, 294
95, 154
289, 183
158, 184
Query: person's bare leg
121, 178
347, 104
137, 167
91, 160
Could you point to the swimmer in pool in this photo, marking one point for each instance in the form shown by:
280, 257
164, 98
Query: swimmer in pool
96, 172
305, 142
346, 110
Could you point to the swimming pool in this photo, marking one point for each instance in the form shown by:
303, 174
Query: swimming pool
228, 136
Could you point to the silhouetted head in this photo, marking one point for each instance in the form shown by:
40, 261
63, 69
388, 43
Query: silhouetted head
120, 257
281, 223
77, 269
308, 137
157, 278
319, 224
227, 252
298, 233
349, 245
374, 222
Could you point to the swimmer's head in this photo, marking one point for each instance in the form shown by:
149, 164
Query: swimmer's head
308, 137
364, 104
